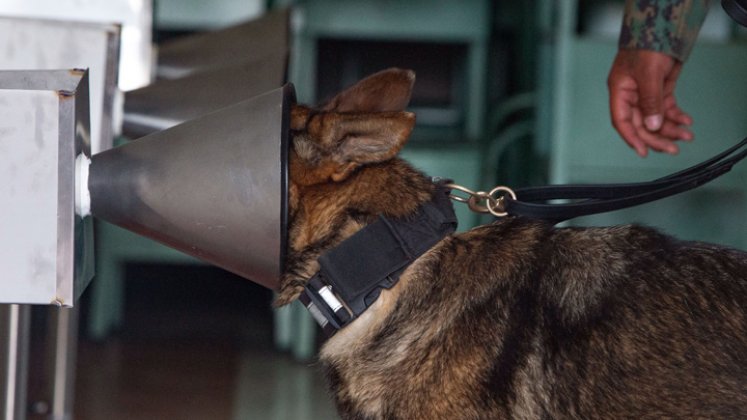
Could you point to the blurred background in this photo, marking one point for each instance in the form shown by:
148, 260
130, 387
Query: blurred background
508, 92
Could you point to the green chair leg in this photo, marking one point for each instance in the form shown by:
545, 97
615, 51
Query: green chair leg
305, 333
283, 320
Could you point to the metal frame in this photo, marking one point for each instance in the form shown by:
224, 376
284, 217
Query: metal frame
136, 18
66, 92
36, 44
15, 326
47, 276
254, 40
162, 105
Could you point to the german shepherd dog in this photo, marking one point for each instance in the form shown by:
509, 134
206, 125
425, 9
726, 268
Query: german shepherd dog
515, 319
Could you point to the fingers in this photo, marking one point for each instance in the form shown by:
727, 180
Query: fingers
655, 140
674, 132
674, 113
629, 133
642, 105
623, 96
664, 140
651, 73
628, 120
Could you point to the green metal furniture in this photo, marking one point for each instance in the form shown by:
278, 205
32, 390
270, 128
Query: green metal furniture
464, 22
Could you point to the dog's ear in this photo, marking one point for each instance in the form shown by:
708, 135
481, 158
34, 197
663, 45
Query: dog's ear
366, 123
332, 145
369, 138
385, 91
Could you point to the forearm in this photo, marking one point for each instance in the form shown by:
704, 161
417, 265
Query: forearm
666, 26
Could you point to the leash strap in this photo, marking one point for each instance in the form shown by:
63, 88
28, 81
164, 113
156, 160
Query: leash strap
353, 273
533, 202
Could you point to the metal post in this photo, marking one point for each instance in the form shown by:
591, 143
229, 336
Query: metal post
62, 345
14, 351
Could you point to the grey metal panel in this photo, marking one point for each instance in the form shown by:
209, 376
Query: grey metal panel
135, 16
15, 325
47, 248
40, 44
214, 187
251, 41
170, 102
61, 342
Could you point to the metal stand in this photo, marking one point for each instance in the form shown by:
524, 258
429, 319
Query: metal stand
59, 367
14, 350
62, 348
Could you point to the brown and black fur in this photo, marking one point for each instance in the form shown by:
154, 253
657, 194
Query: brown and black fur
516, 319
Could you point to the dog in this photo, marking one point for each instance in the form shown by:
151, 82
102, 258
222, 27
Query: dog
514, 319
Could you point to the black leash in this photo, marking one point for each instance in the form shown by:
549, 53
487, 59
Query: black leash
533, 202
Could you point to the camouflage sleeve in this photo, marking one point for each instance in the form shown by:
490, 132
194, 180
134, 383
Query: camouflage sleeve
667, 26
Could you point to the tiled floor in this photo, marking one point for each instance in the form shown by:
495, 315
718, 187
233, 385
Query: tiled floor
276, 388
195, 348
153, 379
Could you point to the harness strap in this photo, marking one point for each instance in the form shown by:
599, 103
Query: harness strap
533, 202
353, 273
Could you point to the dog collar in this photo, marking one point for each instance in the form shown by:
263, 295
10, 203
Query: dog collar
352, 274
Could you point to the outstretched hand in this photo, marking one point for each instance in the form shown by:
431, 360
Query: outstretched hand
642, 104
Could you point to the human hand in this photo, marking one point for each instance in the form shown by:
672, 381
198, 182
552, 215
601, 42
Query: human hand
642, 104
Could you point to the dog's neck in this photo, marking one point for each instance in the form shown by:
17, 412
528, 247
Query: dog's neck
392, 188
323, 215
353, 273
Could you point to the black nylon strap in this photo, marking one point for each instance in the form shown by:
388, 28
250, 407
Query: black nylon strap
600, 198
373, 258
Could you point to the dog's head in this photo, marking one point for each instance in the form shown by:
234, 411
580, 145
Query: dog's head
343, 170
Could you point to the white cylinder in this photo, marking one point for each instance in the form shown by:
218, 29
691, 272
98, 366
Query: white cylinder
82, 193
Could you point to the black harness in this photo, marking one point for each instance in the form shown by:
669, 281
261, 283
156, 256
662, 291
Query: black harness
352, 275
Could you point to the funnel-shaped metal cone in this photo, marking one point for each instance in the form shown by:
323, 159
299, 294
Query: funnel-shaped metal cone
737, 9
254, 40
162, 105
214, 187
